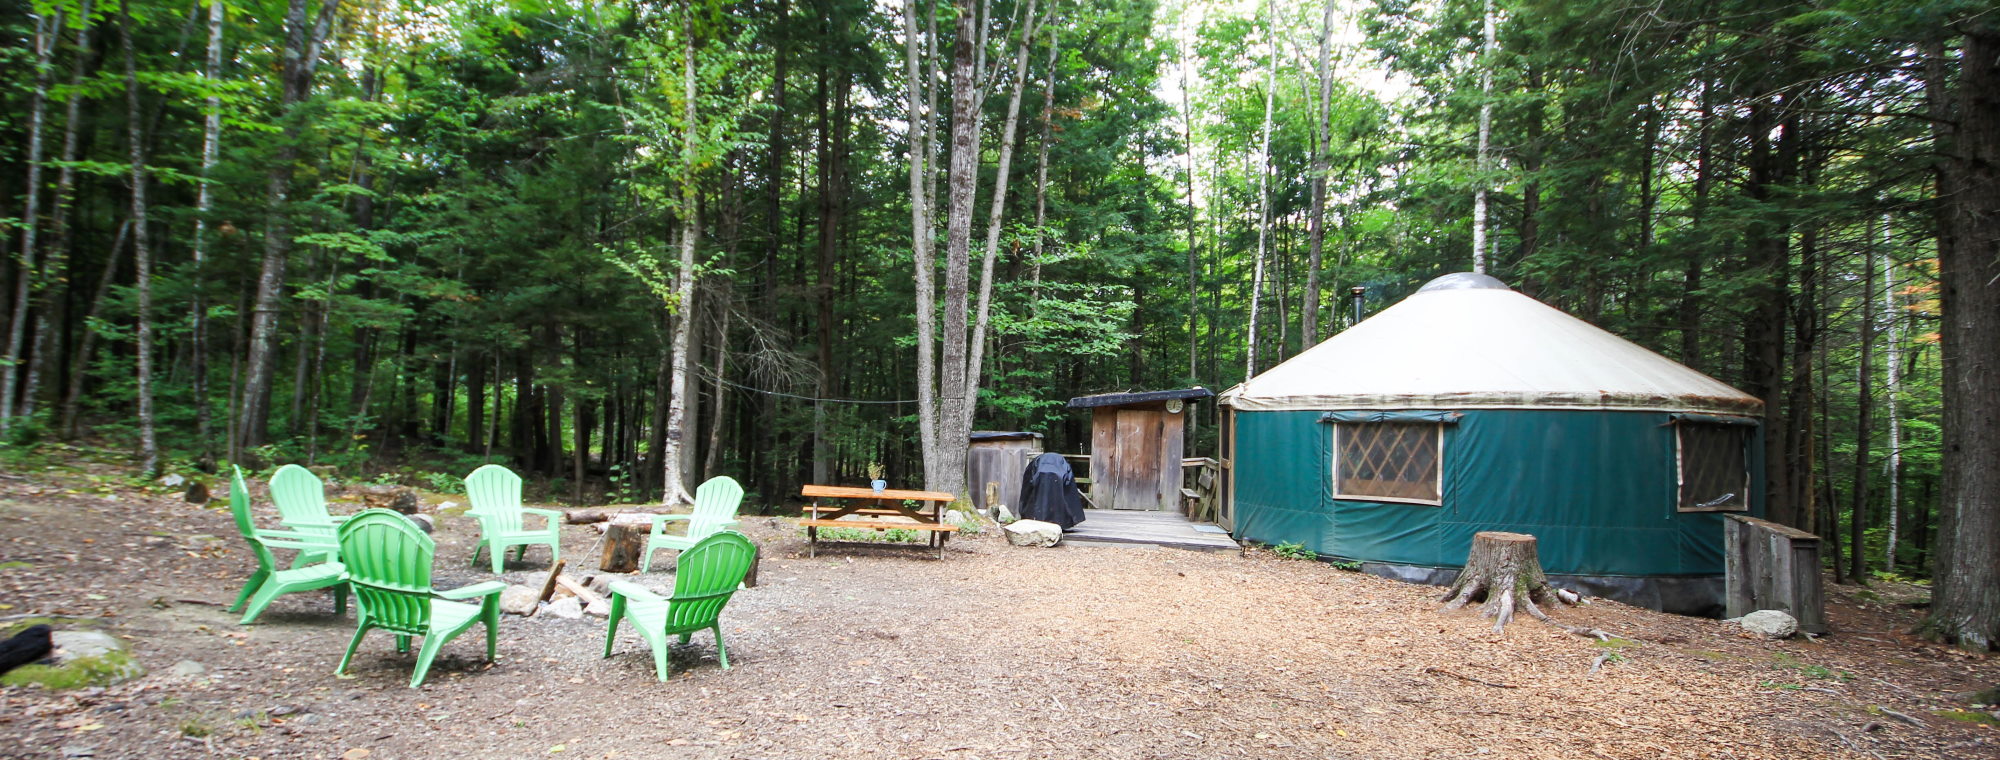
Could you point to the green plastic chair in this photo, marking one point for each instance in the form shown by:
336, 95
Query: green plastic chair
301, 500
707, 576
495, 493
715, 504
268, 582
389, 565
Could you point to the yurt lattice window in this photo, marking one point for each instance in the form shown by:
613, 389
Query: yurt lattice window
1387, 461
1714, 473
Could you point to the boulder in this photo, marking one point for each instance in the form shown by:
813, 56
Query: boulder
197, 492
425, 522
1033, 533
1003, 515
94, 657
568, 608
1771, 624
599, 608
600, 584
519, 600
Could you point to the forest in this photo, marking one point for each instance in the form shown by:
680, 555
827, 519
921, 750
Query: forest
622, 246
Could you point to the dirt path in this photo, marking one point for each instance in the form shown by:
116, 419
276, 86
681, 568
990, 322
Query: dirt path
995, 652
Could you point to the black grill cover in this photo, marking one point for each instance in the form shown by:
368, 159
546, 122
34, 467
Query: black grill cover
1048, 492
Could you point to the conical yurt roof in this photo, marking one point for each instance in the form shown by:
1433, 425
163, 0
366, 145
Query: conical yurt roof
1465, 341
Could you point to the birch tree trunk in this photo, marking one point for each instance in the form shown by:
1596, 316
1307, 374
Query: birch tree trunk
211, 135
996, 214
1892, 385
1485, 134
672, 478
47, 29
48, 328
142, 261
920, 245
1322, 134
1263, 192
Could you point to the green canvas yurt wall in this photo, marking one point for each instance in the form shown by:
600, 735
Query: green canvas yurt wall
1547, 425
1597, 488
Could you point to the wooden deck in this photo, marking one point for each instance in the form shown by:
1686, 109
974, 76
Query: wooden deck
1125, 526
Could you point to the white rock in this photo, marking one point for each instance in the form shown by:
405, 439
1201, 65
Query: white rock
442, 506
189, 669
599, 608
519, 600
1002, 514
172, 480
74, 645
600, 584
1771, 624
1033, 533
567, 608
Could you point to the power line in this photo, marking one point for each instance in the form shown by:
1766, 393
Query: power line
808, 398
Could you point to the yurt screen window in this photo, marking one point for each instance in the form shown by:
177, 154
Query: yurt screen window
1387, 461
1714, 476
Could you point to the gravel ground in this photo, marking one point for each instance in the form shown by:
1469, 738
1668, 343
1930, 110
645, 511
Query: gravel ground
994, 652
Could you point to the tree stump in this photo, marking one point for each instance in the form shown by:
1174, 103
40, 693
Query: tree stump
1504, 570
625, 542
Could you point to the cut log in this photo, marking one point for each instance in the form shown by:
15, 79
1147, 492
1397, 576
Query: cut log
625, 542
585, 516
581, 591
549, 586
1503, 570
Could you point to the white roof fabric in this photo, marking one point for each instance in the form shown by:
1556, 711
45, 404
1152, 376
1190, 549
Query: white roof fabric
1483, 349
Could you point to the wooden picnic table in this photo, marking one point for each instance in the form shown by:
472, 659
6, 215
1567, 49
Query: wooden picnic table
867, 506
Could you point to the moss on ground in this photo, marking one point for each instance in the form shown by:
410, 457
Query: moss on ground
1969, 716
102, 670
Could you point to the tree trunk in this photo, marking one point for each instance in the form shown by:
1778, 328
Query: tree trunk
86, 344
301, 59
1857, 521
1485, 135
1892, 470
671, 477
1504, 570
142, 257
1965, 603
945, 461
1322, 136
211, 136
995, 215
47, 29
1263, 168
49, 330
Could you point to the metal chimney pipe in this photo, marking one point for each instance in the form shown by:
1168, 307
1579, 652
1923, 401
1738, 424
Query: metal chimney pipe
1357, 292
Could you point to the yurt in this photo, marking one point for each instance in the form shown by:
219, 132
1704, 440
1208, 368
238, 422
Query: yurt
1470, 407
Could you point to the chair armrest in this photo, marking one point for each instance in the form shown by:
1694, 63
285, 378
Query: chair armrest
268, 536
487, 588
634, 592
657, 519
271, 543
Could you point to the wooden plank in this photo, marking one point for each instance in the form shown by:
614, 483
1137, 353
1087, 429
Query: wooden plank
850, 492
874, 525
1103, 455
1173, 435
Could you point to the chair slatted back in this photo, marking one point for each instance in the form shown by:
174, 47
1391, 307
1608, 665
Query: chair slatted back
715, 503
389, 564
706, 576
239, 507
300, 496
495, 493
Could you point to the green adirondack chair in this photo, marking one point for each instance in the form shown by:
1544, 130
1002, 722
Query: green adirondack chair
715, 504
495, 493
707, 576
389, 565
268, 582
301, 500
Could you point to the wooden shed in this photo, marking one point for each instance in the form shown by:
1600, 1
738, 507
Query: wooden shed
1136, 447
994, 462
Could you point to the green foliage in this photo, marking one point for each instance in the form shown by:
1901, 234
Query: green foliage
1294, 550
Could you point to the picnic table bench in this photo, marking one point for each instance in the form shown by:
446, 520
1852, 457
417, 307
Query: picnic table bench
850, 507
